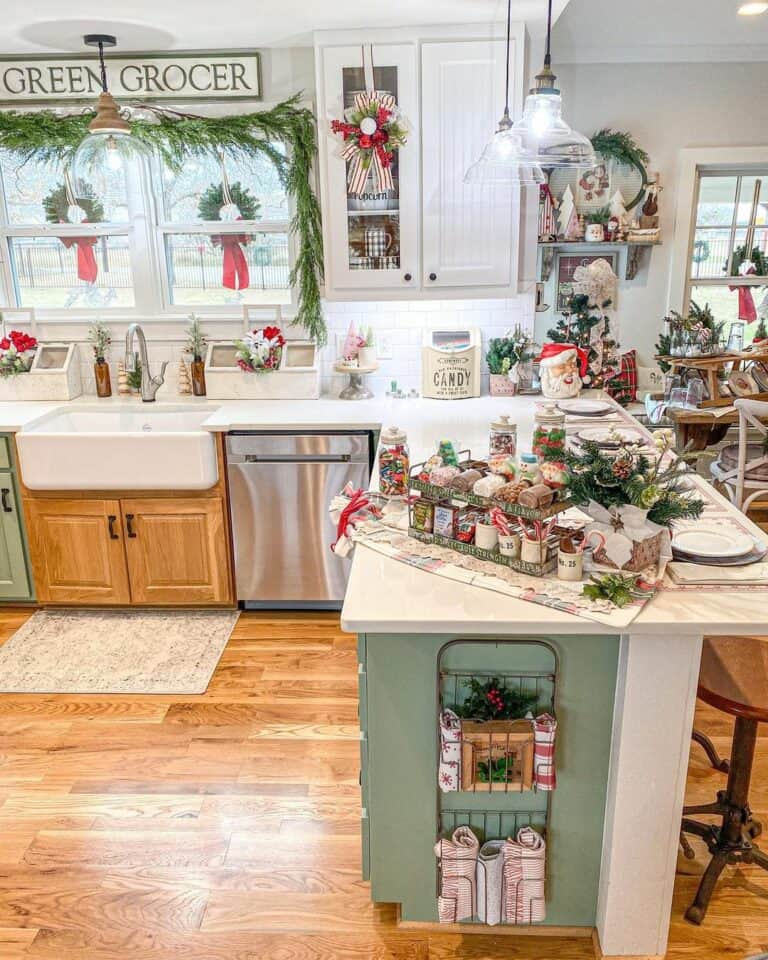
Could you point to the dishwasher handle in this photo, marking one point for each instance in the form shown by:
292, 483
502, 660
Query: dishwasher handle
290, 458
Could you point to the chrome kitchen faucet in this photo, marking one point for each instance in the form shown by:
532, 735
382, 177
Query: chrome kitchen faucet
149, 384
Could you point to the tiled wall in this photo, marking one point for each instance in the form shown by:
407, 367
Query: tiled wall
398, 325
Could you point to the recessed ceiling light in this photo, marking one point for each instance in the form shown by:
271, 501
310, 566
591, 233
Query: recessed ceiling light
752, 9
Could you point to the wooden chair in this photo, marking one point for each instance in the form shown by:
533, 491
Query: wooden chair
748, 480
734, 679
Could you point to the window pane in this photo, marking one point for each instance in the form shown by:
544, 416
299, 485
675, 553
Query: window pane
72, 272
711, 252
746, 200
258, 177
30, 186
219, 269
725, 305
717, 197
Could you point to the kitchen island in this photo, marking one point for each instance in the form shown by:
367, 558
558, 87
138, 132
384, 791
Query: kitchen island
624, 704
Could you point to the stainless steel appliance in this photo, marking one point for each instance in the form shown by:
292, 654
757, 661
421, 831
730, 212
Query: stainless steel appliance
280, 485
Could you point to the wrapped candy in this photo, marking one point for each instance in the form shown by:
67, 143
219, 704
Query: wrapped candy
433, 463
487, 486
394, 463
465, 480
442, 476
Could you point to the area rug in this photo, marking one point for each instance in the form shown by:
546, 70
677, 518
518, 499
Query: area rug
120, 651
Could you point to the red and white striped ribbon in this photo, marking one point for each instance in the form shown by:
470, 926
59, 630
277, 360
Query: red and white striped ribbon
359, 167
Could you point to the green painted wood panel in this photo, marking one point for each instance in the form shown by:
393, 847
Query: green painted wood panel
402, 766
14, 579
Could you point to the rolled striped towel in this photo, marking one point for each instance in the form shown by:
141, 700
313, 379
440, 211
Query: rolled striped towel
458, 862
490, 876
544, 729
524, 864
449, 771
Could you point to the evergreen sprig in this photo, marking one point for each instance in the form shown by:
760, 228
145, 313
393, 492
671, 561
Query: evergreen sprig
493, 700
48, 138
616, 588
621, 147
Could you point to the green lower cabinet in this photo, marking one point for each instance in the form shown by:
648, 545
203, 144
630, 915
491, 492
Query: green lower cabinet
15, 582
404, 806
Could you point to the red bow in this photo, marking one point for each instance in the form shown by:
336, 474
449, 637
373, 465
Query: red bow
234, 275
87, 268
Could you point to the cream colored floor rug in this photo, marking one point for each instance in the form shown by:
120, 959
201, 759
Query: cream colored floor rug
120, 651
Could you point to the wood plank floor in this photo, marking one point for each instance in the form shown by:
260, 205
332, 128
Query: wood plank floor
225, 826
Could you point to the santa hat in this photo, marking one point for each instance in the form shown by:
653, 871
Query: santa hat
555, 354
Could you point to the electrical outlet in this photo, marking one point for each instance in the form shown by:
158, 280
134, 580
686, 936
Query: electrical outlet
383, 346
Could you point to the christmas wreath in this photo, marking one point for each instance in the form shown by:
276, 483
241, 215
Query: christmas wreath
214, 199
624, 149
372, 130
230, 202
59, 206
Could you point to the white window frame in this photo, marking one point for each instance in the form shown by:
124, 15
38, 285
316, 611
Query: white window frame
146, 230
694, 161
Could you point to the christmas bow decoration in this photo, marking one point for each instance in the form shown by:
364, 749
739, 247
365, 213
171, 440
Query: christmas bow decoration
87, 268
348, 510
372, 132
597, 281
234, 273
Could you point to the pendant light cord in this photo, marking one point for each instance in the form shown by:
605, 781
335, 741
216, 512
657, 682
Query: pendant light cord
547, 56
103, 68
509, 40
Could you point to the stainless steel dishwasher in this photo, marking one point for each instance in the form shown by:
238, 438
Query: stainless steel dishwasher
280, 485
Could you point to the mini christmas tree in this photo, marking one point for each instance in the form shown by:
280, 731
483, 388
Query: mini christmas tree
589, 327
123, 387
183, 383
618, 206
567, 217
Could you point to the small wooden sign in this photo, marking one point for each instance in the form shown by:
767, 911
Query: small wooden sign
497, 755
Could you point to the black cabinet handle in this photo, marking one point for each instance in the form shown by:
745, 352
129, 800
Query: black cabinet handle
129, 526
4, 494
111, 521
433, 276
407, 278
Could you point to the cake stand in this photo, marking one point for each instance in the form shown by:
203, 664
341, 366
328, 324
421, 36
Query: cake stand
355, 389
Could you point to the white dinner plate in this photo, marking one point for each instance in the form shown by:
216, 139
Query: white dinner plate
608, 437
713, 542
585, 408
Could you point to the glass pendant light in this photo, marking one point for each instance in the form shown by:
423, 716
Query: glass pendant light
545, 133
505, 158
109, 147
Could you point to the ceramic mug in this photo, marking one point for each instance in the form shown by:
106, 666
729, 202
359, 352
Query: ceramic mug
533, 551
360, 263
594, 233
570, 566
377, 242
486, 536
509, 545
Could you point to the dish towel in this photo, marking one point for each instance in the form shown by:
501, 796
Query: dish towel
450, 751
490, 877
524, 877
544, 729
458, 860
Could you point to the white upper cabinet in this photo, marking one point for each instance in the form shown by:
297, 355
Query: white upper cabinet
431, 234
467, 230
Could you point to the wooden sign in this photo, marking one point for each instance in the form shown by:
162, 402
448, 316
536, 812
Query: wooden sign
180, 76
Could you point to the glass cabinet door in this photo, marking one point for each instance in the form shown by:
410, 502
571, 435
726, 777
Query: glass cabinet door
371, 234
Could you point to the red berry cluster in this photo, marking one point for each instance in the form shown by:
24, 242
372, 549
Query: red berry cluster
21, 341
495, 699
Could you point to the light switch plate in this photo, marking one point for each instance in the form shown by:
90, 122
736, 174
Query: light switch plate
383, 347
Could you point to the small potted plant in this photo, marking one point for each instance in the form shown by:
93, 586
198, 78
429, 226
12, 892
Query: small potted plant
366, 354
17, 351
597, 221
506, 358
100, 338
196, 349
761, 333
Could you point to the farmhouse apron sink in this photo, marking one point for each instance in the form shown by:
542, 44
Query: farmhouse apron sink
164, 448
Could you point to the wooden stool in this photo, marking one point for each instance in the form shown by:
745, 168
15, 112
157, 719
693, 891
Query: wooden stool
734, 679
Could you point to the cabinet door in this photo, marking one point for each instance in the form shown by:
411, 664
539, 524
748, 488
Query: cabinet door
371, 239
468, 236
14, 579
77, 551
177, 550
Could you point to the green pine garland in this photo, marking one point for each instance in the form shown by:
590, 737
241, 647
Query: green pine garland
45, 137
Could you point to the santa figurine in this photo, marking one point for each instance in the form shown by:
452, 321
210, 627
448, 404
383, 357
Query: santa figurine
562, 368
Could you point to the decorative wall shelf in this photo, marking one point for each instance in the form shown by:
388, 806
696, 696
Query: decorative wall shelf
635, 253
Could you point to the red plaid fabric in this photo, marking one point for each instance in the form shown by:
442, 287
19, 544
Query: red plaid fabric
544, 728
624, 390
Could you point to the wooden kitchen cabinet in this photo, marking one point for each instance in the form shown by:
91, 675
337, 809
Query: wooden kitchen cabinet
77, 551
176, 550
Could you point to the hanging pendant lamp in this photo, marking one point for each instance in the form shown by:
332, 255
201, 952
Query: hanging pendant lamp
109, 146
545, 133
506, 159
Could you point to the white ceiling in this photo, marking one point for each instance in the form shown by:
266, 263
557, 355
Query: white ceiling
236, 24
618, 31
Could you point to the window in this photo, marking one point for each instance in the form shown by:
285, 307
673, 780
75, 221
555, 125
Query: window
728, 254
146, 245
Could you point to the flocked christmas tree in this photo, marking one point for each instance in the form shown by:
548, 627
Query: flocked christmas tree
589, 326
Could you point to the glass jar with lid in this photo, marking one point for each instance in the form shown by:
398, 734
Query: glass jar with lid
394, 462
548, 432
503, 437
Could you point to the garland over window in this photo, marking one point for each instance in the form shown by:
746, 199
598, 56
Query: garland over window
47, 137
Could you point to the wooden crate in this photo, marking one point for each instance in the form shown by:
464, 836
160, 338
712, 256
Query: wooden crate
510, 740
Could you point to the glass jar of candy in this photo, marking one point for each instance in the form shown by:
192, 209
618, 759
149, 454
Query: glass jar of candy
394, 462
548, 432
503, 438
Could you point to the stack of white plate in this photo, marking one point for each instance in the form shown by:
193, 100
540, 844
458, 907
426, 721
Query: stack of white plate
717, 547
585, 408
612, 437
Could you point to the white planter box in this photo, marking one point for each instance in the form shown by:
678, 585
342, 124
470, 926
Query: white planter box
297, 379
55, 375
